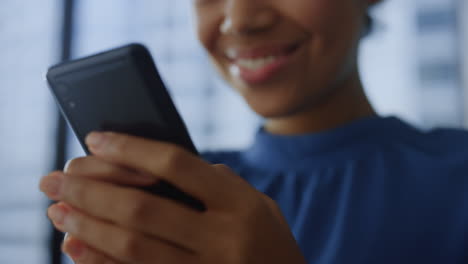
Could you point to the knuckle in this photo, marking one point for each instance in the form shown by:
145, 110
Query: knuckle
136, 210
74, 190
130, 246
80, 225
173, 158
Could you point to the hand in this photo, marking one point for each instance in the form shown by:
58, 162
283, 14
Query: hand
110, 221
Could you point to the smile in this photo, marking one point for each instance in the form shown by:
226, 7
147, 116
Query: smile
259, 65
255, 64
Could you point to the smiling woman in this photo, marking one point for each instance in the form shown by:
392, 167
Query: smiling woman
327, 180
285, 58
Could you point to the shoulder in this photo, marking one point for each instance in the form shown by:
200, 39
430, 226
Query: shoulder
443, 148
443, 141
452, 147
448, 139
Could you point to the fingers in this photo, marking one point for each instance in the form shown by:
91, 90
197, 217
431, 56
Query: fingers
118, 243
135, 210
167, 161
99, 169
80, 253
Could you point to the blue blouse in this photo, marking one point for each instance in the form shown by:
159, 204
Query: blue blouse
374, 191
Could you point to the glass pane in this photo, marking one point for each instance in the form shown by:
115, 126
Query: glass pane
407, 76
28, 31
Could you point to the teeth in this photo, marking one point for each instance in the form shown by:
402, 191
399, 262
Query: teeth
254, 64
234, 70
231, 53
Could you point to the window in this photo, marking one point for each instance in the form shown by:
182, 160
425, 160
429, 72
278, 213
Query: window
415, 46
28, 31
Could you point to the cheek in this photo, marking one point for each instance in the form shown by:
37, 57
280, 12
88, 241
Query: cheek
323, 17
208, 19
203, 32
333, 26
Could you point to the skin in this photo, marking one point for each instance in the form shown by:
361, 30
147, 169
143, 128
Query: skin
321, 89
110, 221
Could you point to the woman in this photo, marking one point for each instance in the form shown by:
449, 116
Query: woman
326, 181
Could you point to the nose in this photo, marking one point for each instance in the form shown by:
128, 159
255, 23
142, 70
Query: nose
247, 16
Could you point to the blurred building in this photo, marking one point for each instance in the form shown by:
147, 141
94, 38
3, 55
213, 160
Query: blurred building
28, 44
438, 62
411, 63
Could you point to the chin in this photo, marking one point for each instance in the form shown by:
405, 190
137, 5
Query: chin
279, 107
276, 101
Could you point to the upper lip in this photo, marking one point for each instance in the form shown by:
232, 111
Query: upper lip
260, 51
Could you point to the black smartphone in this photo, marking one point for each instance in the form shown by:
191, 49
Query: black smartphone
120, 90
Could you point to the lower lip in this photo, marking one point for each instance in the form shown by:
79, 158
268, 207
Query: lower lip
265, 73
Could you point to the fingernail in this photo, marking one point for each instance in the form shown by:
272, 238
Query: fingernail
65, 168
75, 249
53, 185
57, 214
66, 236
94, 140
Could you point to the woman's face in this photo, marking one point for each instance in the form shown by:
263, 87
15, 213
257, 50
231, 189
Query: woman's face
283, 56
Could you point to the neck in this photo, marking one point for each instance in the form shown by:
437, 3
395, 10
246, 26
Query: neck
344, 104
